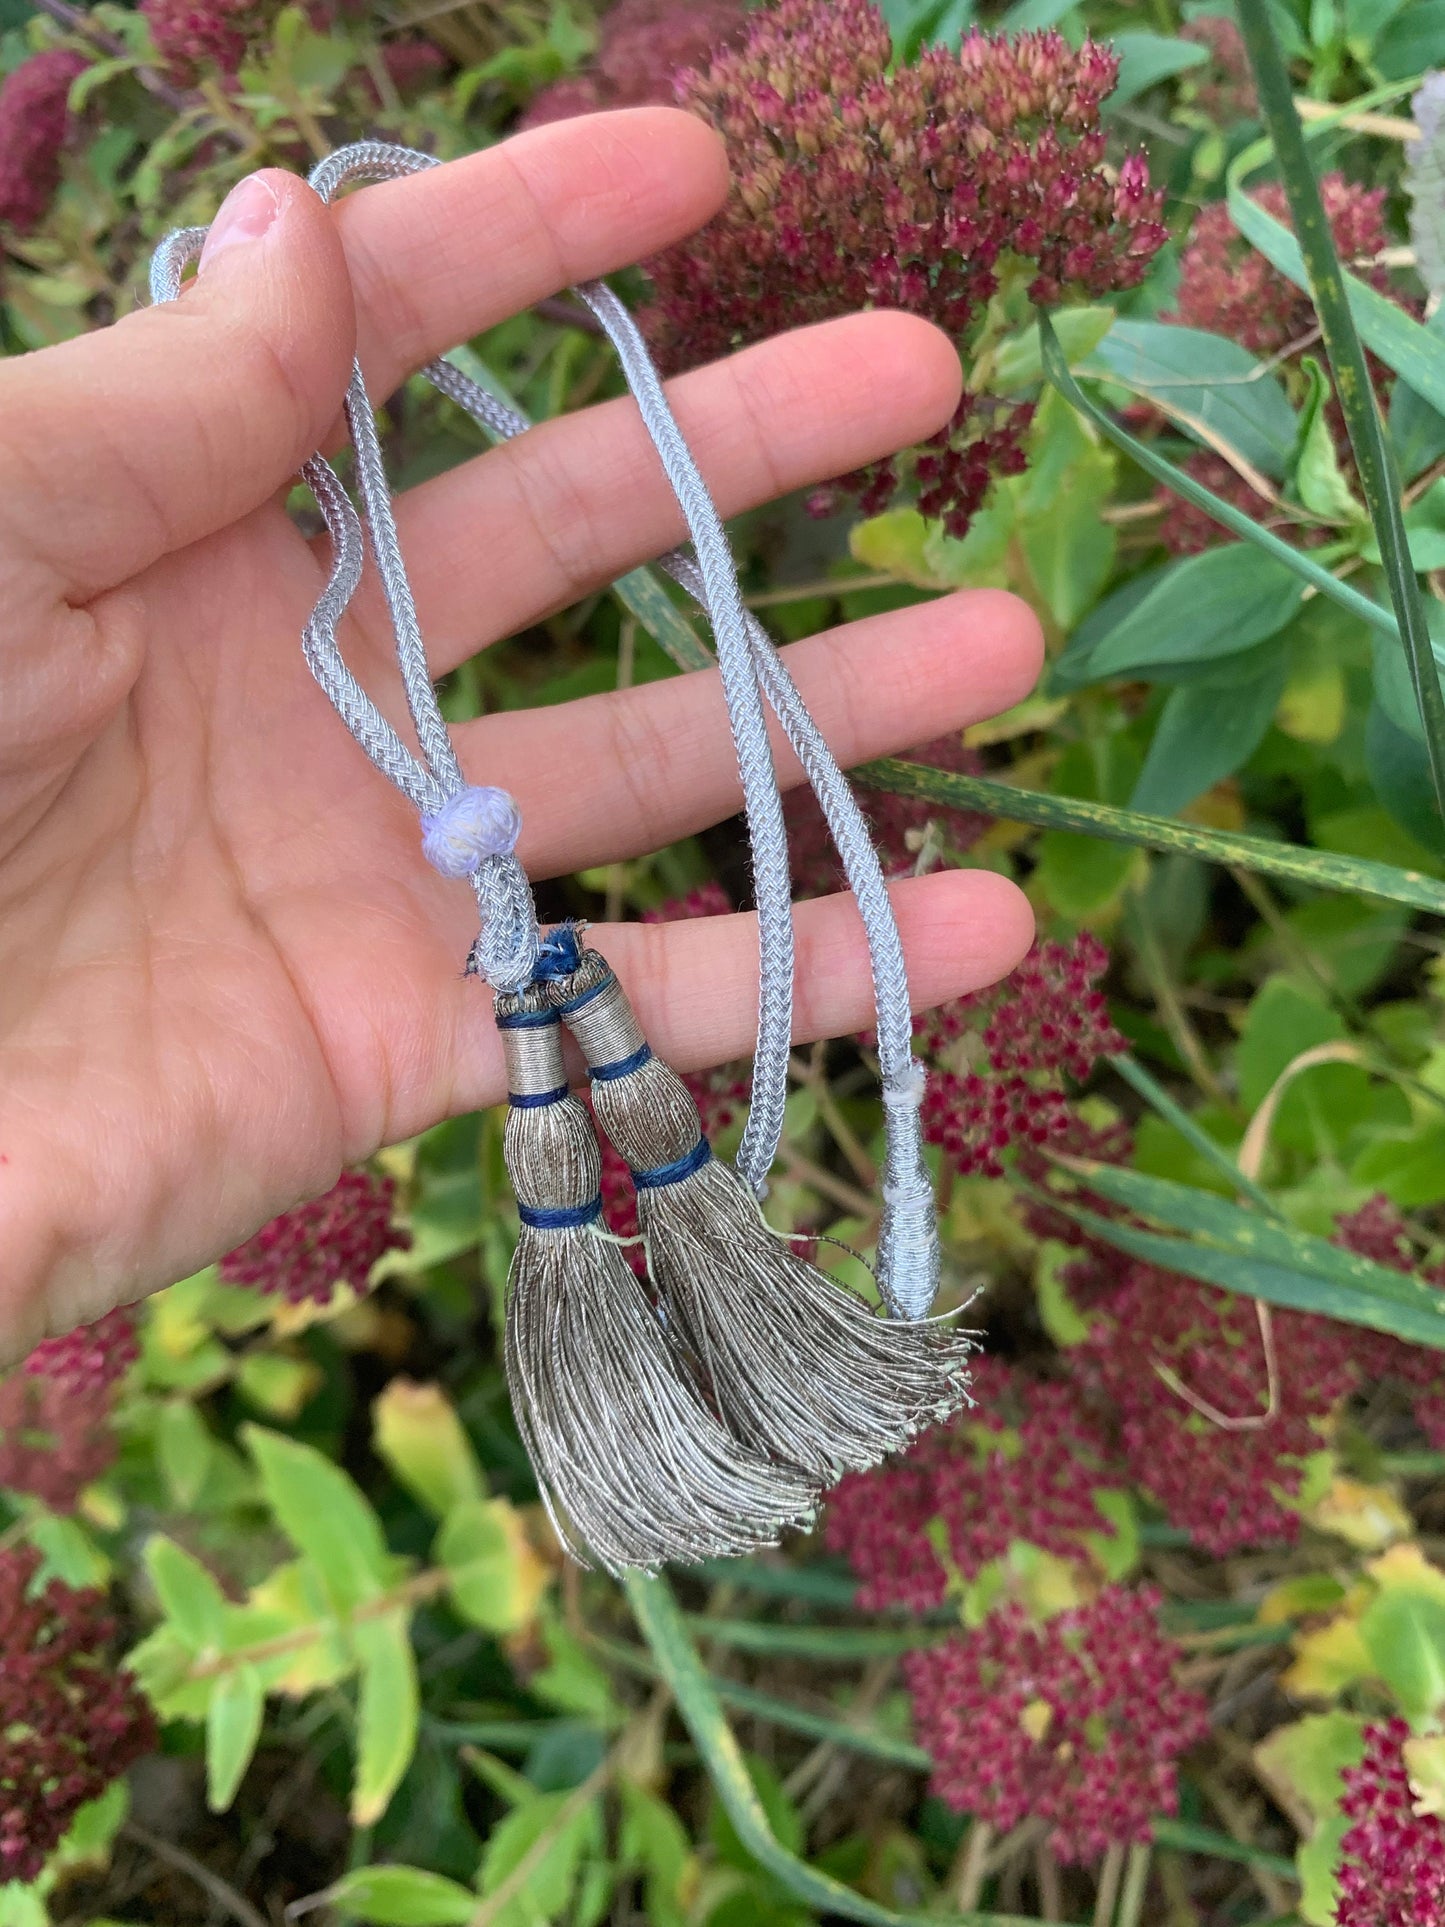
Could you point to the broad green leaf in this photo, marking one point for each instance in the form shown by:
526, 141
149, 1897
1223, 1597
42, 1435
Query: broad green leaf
574, 1681
402, 1897
183, 1450
496, 1578
1416, 429
1425, 530
1366, 20
277, 1384
1058, 505
388, 1710
893, 543
1018, 361
1317, 1112
1399, 773
1409, 1168
1147, 58
417, 1432
91, 1834
1404, 1632
1316, 478
1218, 392
193, 1603
1209, 729
1202, 607
654, 1842
552, 1833
67, 1550
1080, 877
1305, 1762
324, 1515
1411, 42
233, 1726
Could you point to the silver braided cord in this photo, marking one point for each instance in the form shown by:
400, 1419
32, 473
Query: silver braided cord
751, 670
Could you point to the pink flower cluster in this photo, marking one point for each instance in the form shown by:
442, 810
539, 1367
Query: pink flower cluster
642, 46
1004, 1086
70, 1721
1079, 1722
91, 1359
892, 819
1227, 1485
1377, 1231
1227, 287
857, 184
334, 1240
1024, 1464
1392, 1868
34, 126
1224, 88
188, 36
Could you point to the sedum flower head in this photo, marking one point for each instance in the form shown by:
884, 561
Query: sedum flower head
1392, 1859
642, 47
92, 1358
70, 1721
1023, 1465
1079, 1722
919, 188
34, 124
188, 36
334, 1240
1002, 1084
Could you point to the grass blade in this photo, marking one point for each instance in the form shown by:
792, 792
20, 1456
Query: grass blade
1357, 876
1374, 457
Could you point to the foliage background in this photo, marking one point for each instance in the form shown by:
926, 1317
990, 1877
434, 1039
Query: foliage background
1200, 1206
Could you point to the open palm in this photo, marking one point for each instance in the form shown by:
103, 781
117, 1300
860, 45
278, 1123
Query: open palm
225, 970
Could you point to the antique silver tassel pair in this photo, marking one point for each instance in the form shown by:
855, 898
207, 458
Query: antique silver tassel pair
703, 1413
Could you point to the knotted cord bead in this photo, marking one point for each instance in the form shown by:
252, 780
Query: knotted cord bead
477, 822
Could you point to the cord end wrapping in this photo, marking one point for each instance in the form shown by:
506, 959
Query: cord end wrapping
475, 823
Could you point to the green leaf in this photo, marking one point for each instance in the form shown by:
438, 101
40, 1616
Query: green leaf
1218, 392
564, 1833
1411, 42
1018, 361
324, 1515
495, 1577
233, 1726
387, 1713
1209, 729
418, 1434
1404, 1631
193, 1603
1409, 1168
1321, 869
1069, 547
1147, 58
1399, 774
654, 1843
402, 1897
1416, 429
1202, 607
184, 1447
1316, 1111
1316, 478
1306, 1760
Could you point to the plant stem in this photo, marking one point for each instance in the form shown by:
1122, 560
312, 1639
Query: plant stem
1136, 1882
972, 1864
1109, 1876
412, 1592
1374, 458
224, 1896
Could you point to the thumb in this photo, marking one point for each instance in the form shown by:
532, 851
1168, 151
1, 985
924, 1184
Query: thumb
126, 444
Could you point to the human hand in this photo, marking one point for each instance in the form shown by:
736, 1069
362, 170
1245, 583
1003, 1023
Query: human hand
226, 969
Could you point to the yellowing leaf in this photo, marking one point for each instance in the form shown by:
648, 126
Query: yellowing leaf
291, 1600
418, 1434
1328, 1660
1368, 1516
495, 1574
1313, 706
1425, 1763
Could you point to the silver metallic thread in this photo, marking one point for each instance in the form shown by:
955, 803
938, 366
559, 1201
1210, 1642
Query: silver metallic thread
633, 1467
797, 1365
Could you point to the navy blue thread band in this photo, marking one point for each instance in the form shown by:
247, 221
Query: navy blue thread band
534, 1100
584, 997
673, 1173
562, 1217
621, 1067
527, 1020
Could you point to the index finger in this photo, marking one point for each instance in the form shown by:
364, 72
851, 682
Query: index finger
445, 253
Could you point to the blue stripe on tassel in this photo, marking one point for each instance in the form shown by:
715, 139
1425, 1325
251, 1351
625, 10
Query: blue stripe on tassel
675, 1172
534, 1100
562, 1217
528, 1020
623, 1067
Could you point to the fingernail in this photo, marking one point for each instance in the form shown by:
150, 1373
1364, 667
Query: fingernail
246, 213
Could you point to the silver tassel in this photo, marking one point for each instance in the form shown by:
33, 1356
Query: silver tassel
633, 1467
799, 1366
